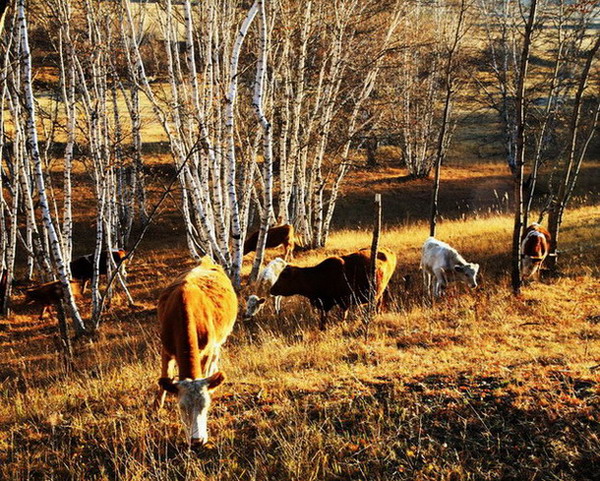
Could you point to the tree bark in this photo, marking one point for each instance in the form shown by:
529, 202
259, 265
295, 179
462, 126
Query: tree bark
261, 68
520, 151
236, 233
33, 145
572, 164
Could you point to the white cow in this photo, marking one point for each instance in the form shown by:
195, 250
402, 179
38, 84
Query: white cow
445, 265
266, 278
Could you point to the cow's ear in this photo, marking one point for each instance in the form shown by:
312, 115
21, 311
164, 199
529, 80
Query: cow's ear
261, 300
215, 380
476, 267
459, 268
168, 385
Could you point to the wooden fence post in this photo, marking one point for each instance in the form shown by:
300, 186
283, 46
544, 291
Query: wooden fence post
373, 266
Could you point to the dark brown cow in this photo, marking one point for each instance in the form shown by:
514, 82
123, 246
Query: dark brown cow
82, 268
49, 294
196, 314
534, 249
279, 235
341, 281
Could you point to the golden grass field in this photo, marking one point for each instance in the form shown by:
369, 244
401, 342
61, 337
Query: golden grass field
482, 386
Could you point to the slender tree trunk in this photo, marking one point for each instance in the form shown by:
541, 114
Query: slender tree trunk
573, 162
442, 137
547, 117
3, 7
236, 233
261, 68
440, 154
520, 151
32, 141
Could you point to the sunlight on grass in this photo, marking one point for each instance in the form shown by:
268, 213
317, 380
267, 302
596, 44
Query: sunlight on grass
432, 391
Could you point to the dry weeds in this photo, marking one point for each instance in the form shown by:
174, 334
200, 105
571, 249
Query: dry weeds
480, 386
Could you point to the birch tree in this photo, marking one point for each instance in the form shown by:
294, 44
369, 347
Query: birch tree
579, 141
34, 153
519, 164
451, 79
257, 102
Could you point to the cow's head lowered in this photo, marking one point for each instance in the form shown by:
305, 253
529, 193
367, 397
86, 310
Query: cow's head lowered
253, 305
194, 400
467, 273
530, 265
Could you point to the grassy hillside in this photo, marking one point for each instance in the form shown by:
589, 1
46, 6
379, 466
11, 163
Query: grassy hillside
481, 386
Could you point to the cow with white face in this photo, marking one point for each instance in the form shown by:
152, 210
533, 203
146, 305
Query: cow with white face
443, 265
196, 313
266, 278
194, 401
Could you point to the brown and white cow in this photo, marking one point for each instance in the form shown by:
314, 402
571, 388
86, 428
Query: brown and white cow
280, 235
341, 281
534, 249
196, 313
48, 294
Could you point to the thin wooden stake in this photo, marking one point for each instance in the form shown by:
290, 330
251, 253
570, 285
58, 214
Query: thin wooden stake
373, 266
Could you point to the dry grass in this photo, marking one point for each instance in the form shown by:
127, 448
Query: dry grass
480, 386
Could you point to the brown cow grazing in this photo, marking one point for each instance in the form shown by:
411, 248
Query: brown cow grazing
196, 314
534, 249
82, 268
48, 294
341, 281
280, 235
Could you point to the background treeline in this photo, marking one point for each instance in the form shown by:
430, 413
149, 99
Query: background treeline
265, 106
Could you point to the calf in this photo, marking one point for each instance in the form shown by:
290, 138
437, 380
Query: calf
267, 277
342, 281
82, 268
196, 314
279, 235
48, 294
534, 249
443, 264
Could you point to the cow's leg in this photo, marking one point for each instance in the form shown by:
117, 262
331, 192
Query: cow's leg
166, 371
538, 271
277, 300
381, 303
439, 282
213, 366
426, 283
323, 320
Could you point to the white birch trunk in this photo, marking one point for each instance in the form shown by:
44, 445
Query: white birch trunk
257, 103
236, 233
32, 140
68, 91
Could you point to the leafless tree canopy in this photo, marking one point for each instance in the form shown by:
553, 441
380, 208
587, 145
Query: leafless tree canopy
264, 107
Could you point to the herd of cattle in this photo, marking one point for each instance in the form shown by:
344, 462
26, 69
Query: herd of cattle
198, 310
82, 272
